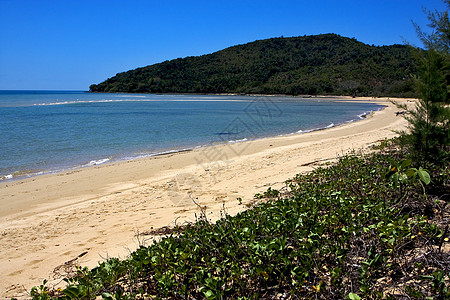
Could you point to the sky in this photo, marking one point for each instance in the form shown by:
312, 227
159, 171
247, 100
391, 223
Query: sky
71, 44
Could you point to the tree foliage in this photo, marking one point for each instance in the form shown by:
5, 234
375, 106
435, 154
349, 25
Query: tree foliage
321, 64
429, 136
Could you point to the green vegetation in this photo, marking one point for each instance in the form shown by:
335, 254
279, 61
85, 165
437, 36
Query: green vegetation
323, 64
369, 226
429, 135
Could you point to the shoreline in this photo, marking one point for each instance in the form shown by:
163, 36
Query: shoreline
48, 220
31, 173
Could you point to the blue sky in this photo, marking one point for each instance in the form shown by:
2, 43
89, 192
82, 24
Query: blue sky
70, 44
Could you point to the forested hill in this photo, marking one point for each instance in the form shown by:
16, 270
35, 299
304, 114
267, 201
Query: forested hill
321, 64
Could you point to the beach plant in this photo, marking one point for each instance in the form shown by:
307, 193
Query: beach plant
438, 284
41, 292
337, 232
402, 173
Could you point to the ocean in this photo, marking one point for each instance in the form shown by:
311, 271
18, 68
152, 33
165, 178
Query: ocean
50, 131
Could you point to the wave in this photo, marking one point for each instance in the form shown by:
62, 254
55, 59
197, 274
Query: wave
21, 174
97, 162
6, 177
92, 101
152, 154
72, 102
132, 96
31, 173
170, 152
367, 113
316, 129
127, 155
364, 115
237, 141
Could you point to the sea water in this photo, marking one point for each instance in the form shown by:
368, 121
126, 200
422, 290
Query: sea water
51, 131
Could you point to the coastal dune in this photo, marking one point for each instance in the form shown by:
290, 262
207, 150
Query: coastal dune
51, 222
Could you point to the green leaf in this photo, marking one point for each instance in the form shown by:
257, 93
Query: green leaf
72, 292
209, 294
424, 176
403, 177
392, 170
411, 173
395, 179
107, 296
406, 163
353, 296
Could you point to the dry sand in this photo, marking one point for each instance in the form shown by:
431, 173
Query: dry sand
48, 220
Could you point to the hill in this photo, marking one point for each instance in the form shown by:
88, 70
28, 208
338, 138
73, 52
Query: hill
321, 64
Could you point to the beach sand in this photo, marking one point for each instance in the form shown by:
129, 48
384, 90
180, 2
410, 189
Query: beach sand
86, 215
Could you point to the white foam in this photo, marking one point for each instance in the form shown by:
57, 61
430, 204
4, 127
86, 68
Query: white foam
238, 141
97, 162
20, 175
141, 99
6, 177
144, 155
316, 129
92, 101
363, 115
132, 96
306, 131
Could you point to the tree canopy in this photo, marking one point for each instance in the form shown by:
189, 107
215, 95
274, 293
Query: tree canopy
321, 64
429, 120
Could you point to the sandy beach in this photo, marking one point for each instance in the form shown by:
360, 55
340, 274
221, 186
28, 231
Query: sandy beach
86, 215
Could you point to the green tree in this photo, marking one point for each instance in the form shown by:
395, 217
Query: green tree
321, 64
429, 121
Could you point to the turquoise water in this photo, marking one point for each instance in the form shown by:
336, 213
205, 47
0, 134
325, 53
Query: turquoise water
50, 131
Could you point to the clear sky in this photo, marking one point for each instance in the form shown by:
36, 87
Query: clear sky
70, 44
